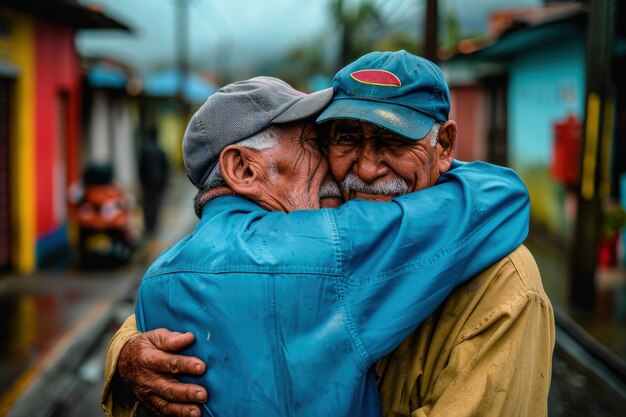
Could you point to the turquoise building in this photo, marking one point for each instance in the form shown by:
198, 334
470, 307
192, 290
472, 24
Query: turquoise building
532, 78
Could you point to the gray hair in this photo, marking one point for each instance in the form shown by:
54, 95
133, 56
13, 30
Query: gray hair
434, 133
265, 139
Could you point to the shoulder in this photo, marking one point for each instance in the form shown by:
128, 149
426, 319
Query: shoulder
480, 170
237, 235
525, 268
521, 272
515, 273
504, 289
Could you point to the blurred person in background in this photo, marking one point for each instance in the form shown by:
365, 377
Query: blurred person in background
153, 175
487, 349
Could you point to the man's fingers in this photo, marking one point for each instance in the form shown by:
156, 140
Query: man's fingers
168, 397
183, 410
161, 407
141, 362
164, 339
148, 368
159, 360
174, 391
173, 364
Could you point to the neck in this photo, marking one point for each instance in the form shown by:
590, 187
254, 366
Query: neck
217, 192
201, 199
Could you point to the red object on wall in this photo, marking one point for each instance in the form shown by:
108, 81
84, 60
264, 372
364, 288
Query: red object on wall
607, 252
566, 151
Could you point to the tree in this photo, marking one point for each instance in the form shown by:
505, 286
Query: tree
356, 27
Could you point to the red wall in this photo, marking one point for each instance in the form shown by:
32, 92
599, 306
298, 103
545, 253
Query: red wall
57, 70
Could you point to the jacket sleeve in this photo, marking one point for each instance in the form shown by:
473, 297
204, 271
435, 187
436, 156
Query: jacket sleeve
116, 400
403, 258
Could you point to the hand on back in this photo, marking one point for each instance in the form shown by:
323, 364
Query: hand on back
150, 367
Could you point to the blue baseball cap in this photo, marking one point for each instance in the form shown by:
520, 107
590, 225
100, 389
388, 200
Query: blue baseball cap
398, 91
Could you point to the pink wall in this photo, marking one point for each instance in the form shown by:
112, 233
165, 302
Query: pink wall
467, 108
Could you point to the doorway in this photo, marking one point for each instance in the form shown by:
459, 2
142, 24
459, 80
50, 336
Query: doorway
5, 171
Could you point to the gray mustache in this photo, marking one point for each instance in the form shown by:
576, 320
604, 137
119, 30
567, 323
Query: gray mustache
329, 188
395, 186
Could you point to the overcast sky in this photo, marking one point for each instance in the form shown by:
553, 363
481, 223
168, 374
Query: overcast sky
232, 33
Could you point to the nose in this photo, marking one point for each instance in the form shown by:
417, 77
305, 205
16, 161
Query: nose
369, 164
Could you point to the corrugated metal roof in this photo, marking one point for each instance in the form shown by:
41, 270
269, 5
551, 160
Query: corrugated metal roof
525, 28
505, 21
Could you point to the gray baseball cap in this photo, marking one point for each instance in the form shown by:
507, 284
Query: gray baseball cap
238, 111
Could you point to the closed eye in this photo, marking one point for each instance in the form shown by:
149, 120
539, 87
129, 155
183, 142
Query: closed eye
392, 142
346, 139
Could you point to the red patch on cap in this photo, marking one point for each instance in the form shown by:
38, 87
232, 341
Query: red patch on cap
376, 77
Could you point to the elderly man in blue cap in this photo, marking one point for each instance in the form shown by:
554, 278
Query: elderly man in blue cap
487, 350
389, 135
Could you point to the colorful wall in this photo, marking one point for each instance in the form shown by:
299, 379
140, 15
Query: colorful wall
56, 134
546, 84
467, 109
20, 53
44, 134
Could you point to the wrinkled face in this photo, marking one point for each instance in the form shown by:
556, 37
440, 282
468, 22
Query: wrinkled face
294, 170
372, 163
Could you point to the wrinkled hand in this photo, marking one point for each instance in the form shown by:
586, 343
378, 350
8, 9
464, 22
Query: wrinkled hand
149, 367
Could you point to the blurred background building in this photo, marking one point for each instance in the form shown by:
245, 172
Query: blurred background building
41, 125
82, 81
543, 92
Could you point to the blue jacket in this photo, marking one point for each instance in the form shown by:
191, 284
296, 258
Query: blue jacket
290, 310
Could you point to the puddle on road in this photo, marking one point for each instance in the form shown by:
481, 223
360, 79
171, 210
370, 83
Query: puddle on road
32, 325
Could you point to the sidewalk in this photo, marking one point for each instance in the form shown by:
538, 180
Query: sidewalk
51, 318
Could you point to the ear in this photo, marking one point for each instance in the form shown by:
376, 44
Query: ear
239, 171
446, 140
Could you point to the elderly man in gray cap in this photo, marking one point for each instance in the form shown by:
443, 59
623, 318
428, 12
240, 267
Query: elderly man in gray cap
290, 305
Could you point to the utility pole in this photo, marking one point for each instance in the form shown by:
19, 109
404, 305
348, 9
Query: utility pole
431, 30
595, 157
182, 47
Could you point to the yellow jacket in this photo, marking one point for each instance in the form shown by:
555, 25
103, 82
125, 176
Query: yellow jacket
487, 351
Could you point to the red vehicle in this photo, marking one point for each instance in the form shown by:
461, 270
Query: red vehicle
106, 238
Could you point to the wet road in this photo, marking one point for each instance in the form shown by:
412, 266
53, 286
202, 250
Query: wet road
584, 382
74, 393
56, 324
56, 340
37, 312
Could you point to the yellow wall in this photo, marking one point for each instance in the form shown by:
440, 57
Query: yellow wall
171, 130
22, 55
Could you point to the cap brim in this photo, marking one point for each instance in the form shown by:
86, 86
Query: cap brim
310, 105
401, 120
